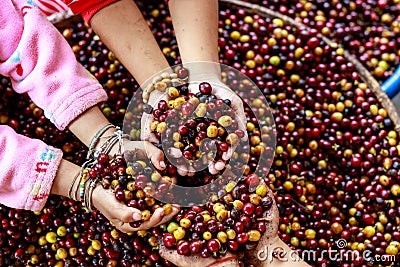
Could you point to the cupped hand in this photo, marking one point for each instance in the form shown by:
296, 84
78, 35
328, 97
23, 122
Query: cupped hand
121, 215
145, 149
222, 91
117, 212
149, 138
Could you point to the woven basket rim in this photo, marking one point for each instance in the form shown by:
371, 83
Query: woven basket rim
365, 75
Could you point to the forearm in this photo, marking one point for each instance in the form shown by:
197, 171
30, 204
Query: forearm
86, 125
65, 174
196, 29
54, 81
123, 29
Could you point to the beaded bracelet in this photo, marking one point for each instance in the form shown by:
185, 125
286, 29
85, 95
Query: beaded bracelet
165, 80
85, 192
84, 177
88, 195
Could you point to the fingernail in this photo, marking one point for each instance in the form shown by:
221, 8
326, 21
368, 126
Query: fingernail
162, 164
219, 165
225, 156
137, 216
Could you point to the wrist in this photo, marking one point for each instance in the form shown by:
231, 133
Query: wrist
109, 132
204, 71
88, 124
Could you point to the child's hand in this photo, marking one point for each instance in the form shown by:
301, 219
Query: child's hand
121, 215
222, 91
145, 149
117, 212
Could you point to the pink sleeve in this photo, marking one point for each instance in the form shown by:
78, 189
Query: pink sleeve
28, 167
41, 63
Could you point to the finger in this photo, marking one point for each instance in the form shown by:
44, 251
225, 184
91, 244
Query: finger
182, 170
154, 220
169, 217
114, 209
125, 217
228, 154
211, 168
156, 156
191, 171
174, 152
219, 165
145, 126
194, 87
153, 153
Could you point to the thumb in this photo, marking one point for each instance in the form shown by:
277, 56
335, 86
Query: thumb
145, 131
156, 156
153, 153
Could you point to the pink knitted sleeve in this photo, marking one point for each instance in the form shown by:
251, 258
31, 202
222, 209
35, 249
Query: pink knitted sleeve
28, 167
39, 62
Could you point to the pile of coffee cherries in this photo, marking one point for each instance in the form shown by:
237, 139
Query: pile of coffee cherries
369, 30
195, 129
234, 223
335, 170
132, 181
